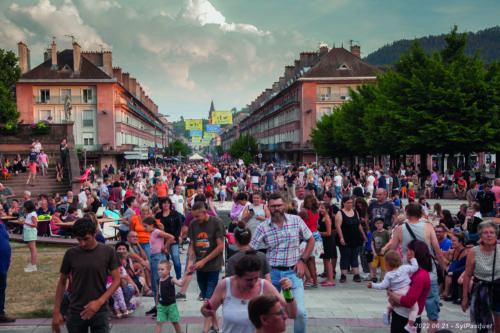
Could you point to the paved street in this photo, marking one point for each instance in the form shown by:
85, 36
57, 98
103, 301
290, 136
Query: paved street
349, 307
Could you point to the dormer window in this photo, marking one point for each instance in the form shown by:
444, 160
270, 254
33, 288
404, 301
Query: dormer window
343, 66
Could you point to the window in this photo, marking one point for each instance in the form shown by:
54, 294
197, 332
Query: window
324, 93
88, 141
64, 93
323, 111
87, 95
45, 95
88, 118
45, 114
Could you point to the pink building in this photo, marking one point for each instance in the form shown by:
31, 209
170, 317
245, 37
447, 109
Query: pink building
110, 110
281, 117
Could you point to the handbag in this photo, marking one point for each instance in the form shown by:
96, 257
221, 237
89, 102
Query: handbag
495, 284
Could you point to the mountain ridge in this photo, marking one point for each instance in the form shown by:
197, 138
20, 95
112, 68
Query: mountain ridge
487, 41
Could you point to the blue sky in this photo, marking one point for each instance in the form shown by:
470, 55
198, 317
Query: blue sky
188, 52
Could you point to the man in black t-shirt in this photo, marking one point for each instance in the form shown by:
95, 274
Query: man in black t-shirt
488, 202
190, 183
382, 208
89, 264
291, 179
62, 149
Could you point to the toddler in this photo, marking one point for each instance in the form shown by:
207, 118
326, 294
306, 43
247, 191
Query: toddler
118, 299
166, 305
398, 280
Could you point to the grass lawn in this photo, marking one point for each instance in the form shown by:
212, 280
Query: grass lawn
32, 294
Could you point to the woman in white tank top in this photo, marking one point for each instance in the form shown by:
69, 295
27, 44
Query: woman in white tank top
234, 294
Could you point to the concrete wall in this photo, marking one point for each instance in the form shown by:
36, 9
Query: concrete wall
105, 116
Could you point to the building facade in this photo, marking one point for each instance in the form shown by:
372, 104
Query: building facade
281, 118
110, 110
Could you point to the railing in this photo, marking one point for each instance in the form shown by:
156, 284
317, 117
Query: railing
75, 99
332, 97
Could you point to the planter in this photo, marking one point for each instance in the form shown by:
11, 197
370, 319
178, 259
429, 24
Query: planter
12, 131
42, 130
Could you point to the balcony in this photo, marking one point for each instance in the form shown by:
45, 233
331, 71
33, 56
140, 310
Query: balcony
75, 99
332, 98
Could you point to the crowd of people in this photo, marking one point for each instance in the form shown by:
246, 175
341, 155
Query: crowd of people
281, 220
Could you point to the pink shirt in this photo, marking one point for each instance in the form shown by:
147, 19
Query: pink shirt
33, 167
43, 158
156, 241
496, 190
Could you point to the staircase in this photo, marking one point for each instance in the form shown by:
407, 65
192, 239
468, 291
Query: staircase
43, 184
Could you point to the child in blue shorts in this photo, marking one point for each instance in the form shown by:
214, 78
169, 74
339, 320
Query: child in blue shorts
165, 300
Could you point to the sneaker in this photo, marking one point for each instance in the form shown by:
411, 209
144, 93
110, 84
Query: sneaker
343, 278
151, 311
356, 278
374, 280
200, 298
411, 329
30, 268
180, 297
385, 318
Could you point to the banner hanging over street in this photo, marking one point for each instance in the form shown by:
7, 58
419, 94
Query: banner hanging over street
194, 124
222, 117
196, 133
213, 129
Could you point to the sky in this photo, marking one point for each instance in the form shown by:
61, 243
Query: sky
186, 53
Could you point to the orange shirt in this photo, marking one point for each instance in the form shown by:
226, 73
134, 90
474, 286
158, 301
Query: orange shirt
139, 228
161, 190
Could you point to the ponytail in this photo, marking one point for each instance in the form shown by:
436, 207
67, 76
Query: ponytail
151, 221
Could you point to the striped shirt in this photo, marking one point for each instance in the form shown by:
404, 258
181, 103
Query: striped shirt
282, 244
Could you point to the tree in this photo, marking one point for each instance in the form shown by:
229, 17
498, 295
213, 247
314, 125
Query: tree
242, 145
178, 147
10, 73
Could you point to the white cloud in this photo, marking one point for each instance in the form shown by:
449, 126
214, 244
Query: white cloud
11, 34
50, 19
99, 5
203, 12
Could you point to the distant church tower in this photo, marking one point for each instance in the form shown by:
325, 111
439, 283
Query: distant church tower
212, 108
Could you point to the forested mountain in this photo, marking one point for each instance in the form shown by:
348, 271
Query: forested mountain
487, 41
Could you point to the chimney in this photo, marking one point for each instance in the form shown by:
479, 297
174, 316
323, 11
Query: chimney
282, 82
356, 50
107, 62
276, 86
298, 67
126, 80
323, 49
28, 57
132, 86
289, 73
308, 59
77, 57
23, 59
117, 74
54, 56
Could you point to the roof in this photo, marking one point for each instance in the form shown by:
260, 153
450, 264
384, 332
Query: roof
339, 62
65, 71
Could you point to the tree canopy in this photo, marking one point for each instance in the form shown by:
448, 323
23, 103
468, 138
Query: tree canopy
245, 147
178, 147
10, 73
443, 103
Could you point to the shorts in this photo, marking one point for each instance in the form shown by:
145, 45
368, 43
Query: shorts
379, 261
164, 313
403, 189
432, 302
32, 175
29, 235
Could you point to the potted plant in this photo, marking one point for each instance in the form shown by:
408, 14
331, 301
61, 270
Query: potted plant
40, 128
8, 129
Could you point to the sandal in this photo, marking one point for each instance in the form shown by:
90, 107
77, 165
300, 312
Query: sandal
148, 293
323, 275
327, 284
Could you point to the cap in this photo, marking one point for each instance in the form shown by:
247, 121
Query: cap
111, 202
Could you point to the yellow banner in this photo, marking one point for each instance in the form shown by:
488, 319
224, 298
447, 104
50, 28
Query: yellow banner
210, 135
194, 124
196, 139
222, 117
